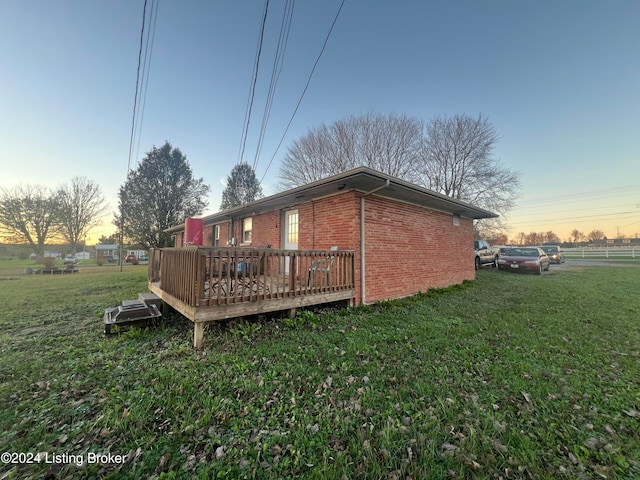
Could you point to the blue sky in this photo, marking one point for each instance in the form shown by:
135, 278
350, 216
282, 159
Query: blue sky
559, 80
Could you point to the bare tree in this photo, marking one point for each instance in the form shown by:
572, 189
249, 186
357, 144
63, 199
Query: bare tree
387, 143
451, 155
534, 238
595, 234
490, 230
457, 161
577, 235
551, 236
81, 206
29, 214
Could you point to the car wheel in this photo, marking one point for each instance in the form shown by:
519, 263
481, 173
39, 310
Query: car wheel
477, 263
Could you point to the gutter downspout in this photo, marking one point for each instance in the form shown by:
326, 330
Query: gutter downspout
362, 243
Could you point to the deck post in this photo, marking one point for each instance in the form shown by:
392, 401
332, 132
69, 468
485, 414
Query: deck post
198, 334
292, 312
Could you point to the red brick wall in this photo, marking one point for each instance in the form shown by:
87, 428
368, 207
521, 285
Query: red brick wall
266, 230
178, 239
224, 233
408, 248
411, 249
207, 235
330, 221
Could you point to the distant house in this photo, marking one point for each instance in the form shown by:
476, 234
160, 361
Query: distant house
139, 254
82, 255
616, 242
107, 253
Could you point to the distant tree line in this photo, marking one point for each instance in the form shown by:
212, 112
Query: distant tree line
538, 238
36, 215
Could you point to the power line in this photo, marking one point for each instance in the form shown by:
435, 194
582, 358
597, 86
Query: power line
304, 91
585, 195
133, 128
252, 91
147, 66
582, 218
278, 63
135, 98
545, 212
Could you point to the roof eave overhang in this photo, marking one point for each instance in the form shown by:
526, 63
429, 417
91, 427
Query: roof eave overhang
362, 179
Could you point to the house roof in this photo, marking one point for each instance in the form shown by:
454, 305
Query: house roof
617, 241
362, 179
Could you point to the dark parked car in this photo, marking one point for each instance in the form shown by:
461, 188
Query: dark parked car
554, 252
532, 259
130, 259
502, 248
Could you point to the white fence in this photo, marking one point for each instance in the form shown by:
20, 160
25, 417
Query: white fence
600, 252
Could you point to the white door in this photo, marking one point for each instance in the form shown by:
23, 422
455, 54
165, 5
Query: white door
290, 234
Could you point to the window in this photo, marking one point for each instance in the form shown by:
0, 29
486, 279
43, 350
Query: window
456, 220
292, 227
216, 235
247, 224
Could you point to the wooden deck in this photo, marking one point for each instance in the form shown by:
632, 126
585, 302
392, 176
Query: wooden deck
208, 284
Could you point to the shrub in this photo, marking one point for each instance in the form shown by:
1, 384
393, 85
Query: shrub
48, 261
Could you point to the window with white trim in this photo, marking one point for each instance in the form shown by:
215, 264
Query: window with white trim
247, 225
216, 235
292, 227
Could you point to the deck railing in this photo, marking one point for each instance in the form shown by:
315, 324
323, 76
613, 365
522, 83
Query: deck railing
209, 276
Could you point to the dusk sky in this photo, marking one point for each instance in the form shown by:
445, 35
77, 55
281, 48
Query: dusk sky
559, 80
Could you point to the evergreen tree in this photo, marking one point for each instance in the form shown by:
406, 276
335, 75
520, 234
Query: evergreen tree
159, 194
242, 187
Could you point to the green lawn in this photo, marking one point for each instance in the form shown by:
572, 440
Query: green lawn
509, 376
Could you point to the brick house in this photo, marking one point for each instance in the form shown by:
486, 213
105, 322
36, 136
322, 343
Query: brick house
106, 253
406, 238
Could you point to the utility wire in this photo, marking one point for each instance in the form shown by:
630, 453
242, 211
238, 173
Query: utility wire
326, 40
278, 63
589, 194
583, 218
133, 127
252, 91
147, 66
135, 98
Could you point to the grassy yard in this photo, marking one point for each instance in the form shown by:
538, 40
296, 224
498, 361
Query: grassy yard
510, 376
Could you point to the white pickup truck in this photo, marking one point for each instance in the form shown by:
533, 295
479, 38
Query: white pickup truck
485, 254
